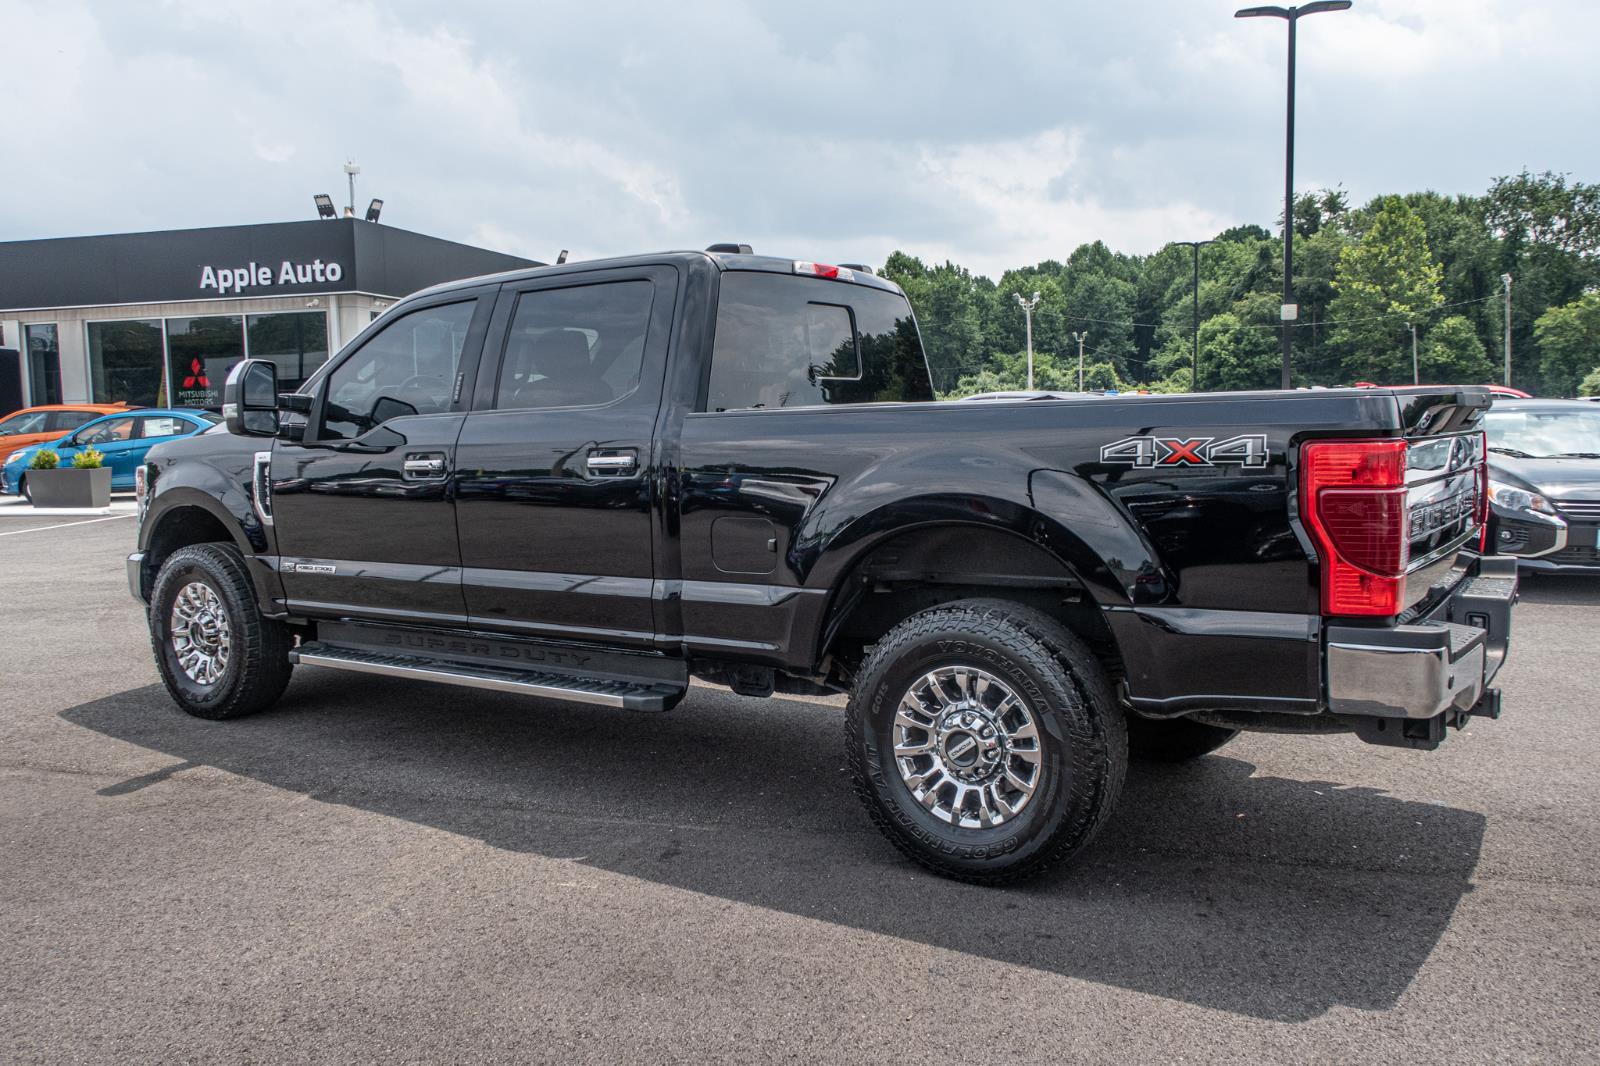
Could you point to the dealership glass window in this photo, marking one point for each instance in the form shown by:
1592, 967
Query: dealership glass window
296, 341
125, 362
44, 363
202, 351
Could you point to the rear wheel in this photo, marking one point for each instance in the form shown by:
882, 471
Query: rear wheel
1174, 740
985, 740
218, 657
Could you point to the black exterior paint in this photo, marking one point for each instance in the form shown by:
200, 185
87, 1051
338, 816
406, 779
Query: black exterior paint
166, 266
1203, 575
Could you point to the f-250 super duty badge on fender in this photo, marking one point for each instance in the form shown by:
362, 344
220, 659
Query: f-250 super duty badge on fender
1248, 450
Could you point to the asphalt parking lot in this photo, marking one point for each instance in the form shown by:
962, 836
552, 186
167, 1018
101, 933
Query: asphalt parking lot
384, 871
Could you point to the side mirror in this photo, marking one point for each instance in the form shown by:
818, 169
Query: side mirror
250, 399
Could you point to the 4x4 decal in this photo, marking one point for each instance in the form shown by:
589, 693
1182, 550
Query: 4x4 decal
1248, 450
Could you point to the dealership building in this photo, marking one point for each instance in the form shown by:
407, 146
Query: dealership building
157, 319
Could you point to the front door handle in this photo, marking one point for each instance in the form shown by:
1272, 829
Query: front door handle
423, 467
613, 463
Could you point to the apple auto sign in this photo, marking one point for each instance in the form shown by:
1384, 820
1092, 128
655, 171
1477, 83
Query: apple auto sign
239, 278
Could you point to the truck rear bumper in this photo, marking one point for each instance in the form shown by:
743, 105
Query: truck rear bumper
1405, 684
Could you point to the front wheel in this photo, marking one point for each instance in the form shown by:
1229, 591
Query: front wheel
985, 740
217, 655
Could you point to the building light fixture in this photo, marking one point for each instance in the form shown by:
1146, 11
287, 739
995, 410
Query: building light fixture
325, 208
374, 209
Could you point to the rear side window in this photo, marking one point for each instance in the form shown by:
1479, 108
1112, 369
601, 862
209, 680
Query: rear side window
575, 347
164, 426
64, 420
787, 341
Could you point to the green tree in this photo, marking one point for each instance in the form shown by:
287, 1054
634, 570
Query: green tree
1453, 354
1384, 279
1590, 385
1569, 343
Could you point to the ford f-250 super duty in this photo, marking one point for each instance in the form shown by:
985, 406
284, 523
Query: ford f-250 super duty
597, 480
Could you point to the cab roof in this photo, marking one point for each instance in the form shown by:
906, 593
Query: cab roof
721, 260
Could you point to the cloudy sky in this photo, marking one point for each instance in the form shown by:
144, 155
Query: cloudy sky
991, 133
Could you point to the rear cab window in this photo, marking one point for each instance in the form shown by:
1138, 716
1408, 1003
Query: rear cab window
791, 341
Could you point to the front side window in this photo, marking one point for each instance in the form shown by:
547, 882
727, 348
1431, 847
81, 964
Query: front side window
27, 422
785, 341
111, 431
408, 368
575, 347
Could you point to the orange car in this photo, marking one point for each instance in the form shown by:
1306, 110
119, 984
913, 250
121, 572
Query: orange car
33, 425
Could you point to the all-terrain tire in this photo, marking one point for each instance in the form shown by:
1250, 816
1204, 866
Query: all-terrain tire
257, 658
1174, 740
1082, 744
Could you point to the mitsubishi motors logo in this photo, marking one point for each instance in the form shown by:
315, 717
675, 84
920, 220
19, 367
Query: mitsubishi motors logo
196, 376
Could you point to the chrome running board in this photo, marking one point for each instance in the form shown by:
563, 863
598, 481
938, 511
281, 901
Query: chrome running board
605, 692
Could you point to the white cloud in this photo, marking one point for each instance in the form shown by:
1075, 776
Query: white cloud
941, 128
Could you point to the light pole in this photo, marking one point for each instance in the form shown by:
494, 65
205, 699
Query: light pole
1194, 365
1505, 279
350, 171
1292, 15
1416, 369
1080, 338
1027, 313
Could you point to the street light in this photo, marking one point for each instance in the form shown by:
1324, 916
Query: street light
1080, 337
1292, 15
1027, 313
1194, 365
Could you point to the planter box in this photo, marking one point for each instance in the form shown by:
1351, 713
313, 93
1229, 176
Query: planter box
66, 487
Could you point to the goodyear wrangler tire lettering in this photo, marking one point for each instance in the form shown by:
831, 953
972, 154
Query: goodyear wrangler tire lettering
974, 649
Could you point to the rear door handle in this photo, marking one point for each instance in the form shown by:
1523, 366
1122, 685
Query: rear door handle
613, 463
423, 467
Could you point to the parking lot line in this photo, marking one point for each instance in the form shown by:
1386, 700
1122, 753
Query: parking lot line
63, 525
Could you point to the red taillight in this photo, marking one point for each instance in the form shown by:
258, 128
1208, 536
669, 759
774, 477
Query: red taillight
1353, 500
1482, 509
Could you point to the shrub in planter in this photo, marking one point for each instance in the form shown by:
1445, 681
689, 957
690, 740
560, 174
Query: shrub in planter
86, 483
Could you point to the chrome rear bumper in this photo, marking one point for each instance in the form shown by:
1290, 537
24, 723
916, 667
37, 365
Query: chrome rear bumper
1432, 672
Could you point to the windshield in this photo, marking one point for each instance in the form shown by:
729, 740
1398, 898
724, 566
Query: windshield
1545, 434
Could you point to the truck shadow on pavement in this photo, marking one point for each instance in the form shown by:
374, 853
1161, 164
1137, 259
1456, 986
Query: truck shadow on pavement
1261, 896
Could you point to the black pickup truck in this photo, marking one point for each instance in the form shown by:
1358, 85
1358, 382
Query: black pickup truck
598, 480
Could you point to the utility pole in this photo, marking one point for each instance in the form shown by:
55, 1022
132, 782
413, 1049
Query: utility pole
1080, 338
1292, 15
1027, 313
1416, 369
1194, 361
1505, 279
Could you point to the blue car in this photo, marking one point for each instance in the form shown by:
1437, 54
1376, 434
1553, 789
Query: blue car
123, 439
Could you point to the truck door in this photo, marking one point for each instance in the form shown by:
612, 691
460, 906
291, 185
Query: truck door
555, 481
361, 507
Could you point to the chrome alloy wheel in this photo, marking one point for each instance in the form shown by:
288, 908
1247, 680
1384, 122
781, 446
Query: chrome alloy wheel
967, 747
200, 633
